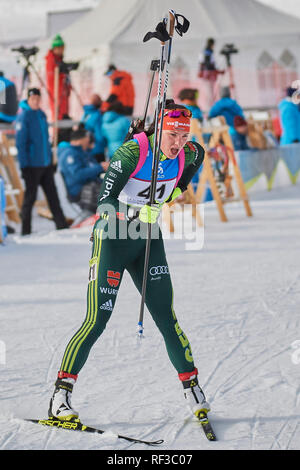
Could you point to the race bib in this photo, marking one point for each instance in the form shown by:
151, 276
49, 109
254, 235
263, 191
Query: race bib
137, 192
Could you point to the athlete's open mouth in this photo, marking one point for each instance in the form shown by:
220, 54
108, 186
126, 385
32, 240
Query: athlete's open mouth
174, 151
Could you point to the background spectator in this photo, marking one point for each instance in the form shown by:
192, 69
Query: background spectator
121, 91
54, 59
8, 100
92, 119
35, 158
208, 73
80, 172
208, 68
226, 107
239, 133
115, 127
188, 97
289, 118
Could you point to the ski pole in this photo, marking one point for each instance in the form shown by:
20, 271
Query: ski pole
161, 34
139, 124
156, 153
153, 67
160, 106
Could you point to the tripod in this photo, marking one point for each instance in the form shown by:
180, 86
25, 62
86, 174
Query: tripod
26, 54
227, 51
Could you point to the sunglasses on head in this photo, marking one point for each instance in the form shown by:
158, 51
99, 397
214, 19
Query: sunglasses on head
175, 113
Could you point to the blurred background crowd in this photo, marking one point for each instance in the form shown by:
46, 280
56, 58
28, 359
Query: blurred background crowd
72, 113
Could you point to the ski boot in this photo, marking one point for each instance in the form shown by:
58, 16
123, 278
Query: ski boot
60, 404
194, 394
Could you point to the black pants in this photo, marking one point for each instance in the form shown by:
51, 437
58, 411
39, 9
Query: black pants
44, 177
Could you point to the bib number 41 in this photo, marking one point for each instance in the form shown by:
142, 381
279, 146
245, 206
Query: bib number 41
160, 191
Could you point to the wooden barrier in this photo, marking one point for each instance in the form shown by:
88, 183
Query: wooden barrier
188, 197
207, 174
263, 118
13, 186
218, 135
260, 129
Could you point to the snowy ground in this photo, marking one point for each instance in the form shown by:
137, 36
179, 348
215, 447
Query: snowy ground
237, 300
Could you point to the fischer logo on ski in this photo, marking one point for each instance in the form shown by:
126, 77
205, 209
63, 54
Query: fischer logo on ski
76, 425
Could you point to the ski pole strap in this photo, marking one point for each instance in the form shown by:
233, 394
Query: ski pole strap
160, 33
182, 24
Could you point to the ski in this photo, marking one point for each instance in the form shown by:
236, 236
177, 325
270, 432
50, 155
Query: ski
206, 426
76, 425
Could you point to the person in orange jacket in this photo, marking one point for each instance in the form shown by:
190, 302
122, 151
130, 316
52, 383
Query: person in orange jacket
122, 90
54, 58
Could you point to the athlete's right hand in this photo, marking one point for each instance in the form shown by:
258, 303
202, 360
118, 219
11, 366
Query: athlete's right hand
149, 214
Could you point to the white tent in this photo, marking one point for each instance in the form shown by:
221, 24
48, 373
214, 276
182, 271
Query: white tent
114, 31
291, 7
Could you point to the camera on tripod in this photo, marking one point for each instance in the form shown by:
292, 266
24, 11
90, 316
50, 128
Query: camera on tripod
27, 52
67, 67
228, 50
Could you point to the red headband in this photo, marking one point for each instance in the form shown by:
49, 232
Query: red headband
177, 119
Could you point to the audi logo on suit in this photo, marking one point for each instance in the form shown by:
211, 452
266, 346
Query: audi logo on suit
157, 270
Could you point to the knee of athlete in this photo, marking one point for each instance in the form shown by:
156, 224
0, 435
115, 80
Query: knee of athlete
97, 327
165, 323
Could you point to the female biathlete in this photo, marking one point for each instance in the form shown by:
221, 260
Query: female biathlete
119, 240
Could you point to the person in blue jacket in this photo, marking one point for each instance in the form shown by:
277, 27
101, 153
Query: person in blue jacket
115, 128
8, 100
226, 107
188, 97
239, 134
79, 171
289, 118
92, 120
35, 159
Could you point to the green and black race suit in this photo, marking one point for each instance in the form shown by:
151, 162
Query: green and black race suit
111, 255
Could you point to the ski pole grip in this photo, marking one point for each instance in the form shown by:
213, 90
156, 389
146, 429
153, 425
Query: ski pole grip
171, 23
165, 35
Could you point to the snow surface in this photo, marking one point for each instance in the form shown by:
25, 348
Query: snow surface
237, 299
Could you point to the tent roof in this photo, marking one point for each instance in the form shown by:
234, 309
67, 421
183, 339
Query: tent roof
125, 22
211, 18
